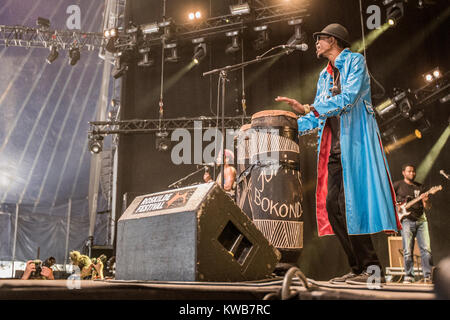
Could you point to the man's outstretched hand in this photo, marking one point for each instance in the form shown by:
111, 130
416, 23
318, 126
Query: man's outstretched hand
296, 106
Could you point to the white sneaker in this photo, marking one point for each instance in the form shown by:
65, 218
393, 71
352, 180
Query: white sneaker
408, 279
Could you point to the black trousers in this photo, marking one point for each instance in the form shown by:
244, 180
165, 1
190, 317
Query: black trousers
358, 248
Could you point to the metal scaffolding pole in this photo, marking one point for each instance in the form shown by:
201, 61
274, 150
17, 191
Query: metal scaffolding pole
15, 241
66, 252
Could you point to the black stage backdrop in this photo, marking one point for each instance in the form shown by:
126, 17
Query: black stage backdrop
396, 59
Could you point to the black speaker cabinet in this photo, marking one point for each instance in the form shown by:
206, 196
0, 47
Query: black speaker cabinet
195, 233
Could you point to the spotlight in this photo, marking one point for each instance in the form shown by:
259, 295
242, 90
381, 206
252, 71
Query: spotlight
111, 45
191, 16
146, 60
173, 56
111, 33
297, 37
52, 55
385, 107
240, 9
428, 77
198, 15
43, 22
416, 116
262, 39
119, 71
394, 13
432, 75
405, 107
74, 56
403, 102
150, 28
162, 142
120, 66
233, 47
168, 29
96, 144
436, 74
199, 52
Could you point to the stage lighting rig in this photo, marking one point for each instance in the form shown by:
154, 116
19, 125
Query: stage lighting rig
53, 55
298, 37
199, 50
162, 141
234, 46
74, 55
173, 56
95, 144
195, 16
43, 23
436, 87
398, 106
150, 28
433, 75
114, 109
111, 33
146, 60
168, 27
121, 64
240, 9
394, 13
262, 39
403, 103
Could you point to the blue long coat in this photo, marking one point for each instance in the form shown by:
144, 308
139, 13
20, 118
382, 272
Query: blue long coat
369, 196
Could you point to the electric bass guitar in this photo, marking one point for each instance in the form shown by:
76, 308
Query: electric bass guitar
403, 208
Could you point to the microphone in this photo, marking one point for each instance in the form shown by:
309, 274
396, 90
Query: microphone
444, 174
301, 47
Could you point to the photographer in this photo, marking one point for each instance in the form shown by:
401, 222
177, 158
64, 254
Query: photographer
36, 270
97, 267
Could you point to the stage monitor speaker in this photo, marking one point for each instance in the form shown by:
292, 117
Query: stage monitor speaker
195, 233
395, 246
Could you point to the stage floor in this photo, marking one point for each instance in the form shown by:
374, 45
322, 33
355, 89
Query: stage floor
174, 290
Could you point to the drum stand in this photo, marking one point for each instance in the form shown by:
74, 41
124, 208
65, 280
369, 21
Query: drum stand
223, 73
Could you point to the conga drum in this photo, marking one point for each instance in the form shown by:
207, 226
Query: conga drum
242, 169
275, 181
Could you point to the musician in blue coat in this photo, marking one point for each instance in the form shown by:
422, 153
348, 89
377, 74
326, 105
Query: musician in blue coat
354, 193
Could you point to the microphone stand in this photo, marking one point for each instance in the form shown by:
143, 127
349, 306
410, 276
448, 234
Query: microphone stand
223, 73
177, 183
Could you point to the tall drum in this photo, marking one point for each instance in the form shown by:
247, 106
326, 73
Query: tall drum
242, 171
275, 181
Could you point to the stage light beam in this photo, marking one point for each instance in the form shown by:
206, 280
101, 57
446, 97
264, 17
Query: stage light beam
426, 165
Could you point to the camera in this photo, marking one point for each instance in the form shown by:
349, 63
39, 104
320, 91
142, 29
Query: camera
38, 266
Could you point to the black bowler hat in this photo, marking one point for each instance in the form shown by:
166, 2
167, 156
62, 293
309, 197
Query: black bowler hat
335, 30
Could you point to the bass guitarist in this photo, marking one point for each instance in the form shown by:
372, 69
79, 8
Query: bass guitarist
414, 225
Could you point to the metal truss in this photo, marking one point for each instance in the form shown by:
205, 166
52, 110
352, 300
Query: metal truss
20, 36
156, 125
262, 13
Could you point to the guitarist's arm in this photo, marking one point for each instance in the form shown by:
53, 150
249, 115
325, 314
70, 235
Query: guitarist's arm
426, 201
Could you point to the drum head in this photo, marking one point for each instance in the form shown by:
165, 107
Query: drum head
274, 113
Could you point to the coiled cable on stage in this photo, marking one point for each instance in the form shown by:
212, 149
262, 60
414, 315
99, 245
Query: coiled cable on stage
287, 281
